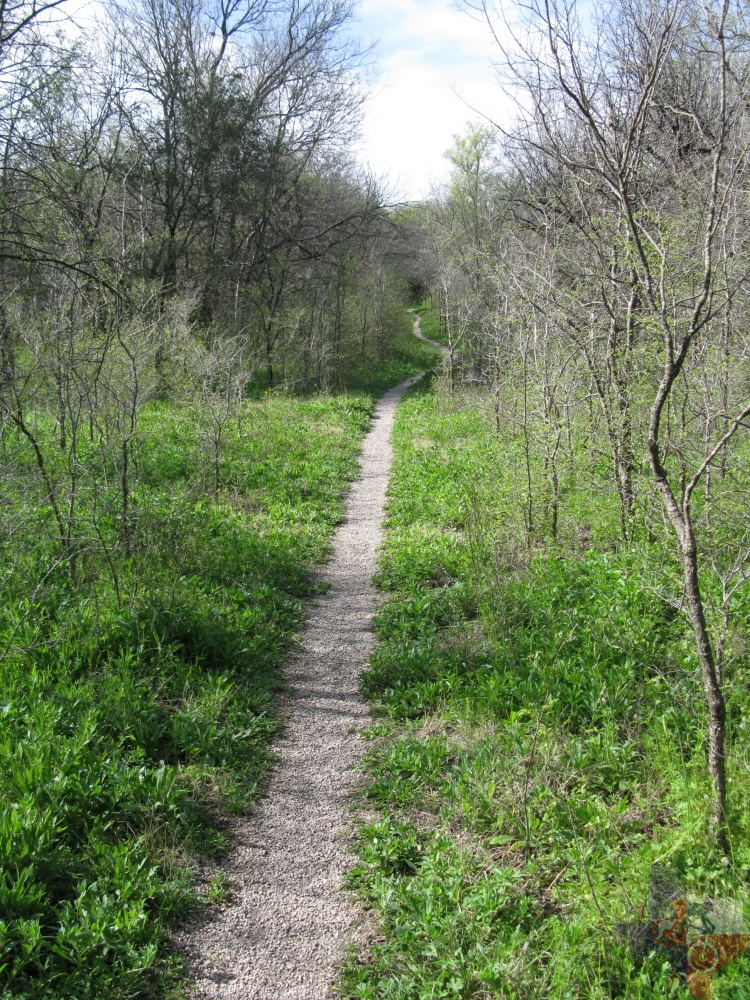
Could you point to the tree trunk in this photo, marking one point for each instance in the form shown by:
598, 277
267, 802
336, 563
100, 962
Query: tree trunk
680, 519
125, 487
714, 695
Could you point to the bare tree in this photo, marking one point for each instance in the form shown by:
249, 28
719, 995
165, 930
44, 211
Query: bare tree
627, 166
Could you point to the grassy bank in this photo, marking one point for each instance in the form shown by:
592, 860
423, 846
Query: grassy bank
430, 322
134, 717
539, 760
138, 676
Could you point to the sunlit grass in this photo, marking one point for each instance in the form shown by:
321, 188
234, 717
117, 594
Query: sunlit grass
134, 720
541, 743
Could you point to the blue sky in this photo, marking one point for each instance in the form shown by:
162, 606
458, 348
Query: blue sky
431, 61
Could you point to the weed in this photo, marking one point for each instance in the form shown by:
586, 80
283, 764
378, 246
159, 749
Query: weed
136, 709
540, 746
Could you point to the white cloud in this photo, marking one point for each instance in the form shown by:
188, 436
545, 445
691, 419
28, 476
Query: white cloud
435, 77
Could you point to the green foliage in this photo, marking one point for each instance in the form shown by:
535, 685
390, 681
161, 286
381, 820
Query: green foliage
541, 742
406, 357
132, 719
430, 322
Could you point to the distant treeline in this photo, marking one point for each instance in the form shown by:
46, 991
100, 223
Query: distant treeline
176, 184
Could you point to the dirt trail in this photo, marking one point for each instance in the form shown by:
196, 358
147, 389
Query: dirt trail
286, 927
417, 330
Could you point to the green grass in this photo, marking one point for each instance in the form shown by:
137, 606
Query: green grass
540, 747
407, 356
138, 678
131, 728
430, 322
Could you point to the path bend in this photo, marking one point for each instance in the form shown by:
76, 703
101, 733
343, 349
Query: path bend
285, 930
417, 331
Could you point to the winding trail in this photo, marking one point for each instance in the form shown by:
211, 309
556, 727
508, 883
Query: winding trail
286, 927
417, 331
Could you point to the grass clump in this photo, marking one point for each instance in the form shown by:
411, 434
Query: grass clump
539, 762
430, 324
136, 702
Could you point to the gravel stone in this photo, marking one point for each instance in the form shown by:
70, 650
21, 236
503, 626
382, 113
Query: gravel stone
286, 927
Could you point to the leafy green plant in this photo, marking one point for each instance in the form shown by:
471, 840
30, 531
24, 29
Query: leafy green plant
136, 708
540, 746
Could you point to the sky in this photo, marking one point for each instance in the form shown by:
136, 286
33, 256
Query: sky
433, 75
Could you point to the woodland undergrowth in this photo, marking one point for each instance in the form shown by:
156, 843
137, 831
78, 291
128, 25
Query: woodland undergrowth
540, 744
137, 697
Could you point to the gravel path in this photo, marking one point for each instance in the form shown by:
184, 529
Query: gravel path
417, 330
286, 927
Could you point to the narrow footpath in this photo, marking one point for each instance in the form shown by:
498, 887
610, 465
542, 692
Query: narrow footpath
286, 927
417, 331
